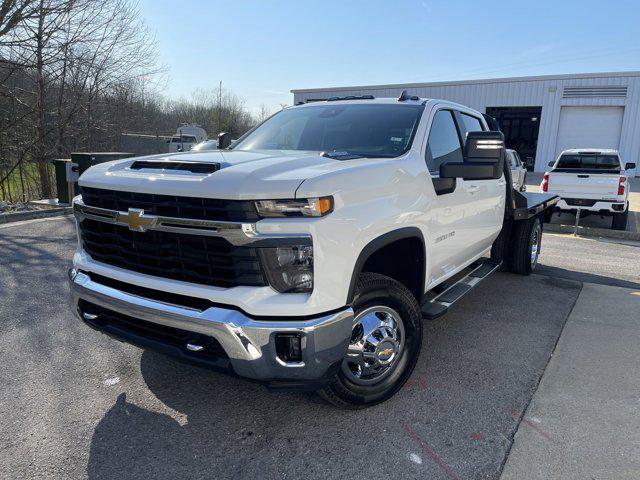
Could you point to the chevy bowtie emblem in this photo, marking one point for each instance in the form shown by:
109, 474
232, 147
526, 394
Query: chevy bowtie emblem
136, 220
386, 352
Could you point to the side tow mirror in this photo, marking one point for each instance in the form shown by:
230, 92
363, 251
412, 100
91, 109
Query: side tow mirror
629, 166
224, 140
484, 154
484, 147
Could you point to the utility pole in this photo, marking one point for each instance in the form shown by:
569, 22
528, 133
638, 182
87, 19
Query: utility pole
219, 106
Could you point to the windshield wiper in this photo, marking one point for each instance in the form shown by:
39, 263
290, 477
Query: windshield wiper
344, 155
341, 155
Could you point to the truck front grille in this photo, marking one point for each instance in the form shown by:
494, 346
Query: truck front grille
197, 259
172, 206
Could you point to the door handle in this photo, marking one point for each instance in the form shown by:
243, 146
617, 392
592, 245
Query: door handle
473, 188
583, 176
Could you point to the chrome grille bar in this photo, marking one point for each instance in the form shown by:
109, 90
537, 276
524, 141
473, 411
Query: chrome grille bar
236, 233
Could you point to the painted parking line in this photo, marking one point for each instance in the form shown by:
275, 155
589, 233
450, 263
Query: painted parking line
517, 415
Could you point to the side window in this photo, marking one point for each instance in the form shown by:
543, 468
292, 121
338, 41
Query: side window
471, 124
444, 143
468, 123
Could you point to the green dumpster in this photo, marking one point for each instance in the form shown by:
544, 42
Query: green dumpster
89, 159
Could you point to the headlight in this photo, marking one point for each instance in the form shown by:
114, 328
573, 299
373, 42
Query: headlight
289, 269
304, 207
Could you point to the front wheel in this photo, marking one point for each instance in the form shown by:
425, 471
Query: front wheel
527, 240
384, 346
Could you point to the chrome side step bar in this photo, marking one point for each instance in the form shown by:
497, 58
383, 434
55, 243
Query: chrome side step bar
440, 304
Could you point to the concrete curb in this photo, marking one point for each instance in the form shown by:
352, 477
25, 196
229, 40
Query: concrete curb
32, 214
592, 232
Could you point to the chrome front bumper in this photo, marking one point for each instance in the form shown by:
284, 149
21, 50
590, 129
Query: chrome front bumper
249, 343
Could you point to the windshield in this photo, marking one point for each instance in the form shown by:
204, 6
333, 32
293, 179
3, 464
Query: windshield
598, 162
354, 130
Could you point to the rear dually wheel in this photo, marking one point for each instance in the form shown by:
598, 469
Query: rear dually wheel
527, 240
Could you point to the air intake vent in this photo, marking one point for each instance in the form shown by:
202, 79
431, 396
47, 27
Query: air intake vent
590, 92
193, 167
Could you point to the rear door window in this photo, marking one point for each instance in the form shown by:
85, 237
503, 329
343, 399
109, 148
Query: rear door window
470, 124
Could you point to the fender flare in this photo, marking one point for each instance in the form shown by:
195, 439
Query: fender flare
380, 242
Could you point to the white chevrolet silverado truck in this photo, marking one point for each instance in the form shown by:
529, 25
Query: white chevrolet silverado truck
306, 255
592, 182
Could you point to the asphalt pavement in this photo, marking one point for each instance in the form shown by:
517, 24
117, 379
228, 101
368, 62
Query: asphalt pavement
77, 404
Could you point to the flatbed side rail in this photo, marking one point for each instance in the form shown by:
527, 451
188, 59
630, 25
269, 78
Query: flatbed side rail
528, 204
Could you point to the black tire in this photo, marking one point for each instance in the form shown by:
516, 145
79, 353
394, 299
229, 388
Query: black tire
375, 290
523, 257
619, 221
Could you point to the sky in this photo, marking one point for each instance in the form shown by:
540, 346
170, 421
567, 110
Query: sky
260, 50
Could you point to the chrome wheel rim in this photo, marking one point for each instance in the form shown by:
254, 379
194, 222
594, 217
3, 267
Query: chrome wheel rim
376, 345
535, 246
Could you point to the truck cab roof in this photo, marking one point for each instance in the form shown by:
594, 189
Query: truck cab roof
590, 151
370, 100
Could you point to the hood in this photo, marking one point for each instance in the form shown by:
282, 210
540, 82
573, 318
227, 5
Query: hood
242, 175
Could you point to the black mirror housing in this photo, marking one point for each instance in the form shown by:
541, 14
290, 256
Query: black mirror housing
471, 171
484, 154
224, 140
629, 166
484, 147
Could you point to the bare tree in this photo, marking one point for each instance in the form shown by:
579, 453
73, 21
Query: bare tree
74, 75
15, 12
264, 113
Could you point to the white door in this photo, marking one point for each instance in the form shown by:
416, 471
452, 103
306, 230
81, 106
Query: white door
464, 216
486, 197
589, 127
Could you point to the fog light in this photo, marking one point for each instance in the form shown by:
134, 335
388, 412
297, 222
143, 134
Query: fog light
289, 347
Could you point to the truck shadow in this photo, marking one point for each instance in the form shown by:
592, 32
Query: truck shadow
210, 413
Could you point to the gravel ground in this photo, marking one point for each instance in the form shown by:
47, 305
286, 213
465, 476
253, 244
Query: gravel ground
77, 404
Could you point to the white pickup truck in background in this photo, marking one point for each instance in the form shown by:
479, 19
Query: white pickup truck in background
591, 181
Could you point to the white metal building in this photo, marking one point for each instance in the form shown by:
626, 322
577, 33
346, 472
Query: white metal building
540, 116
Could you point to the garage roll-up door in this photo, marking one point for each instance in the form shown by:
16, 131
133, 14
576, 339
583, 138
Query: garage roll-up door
589, 127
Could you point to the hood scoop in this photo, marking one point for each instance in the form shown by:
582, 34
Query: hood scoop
202, 168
